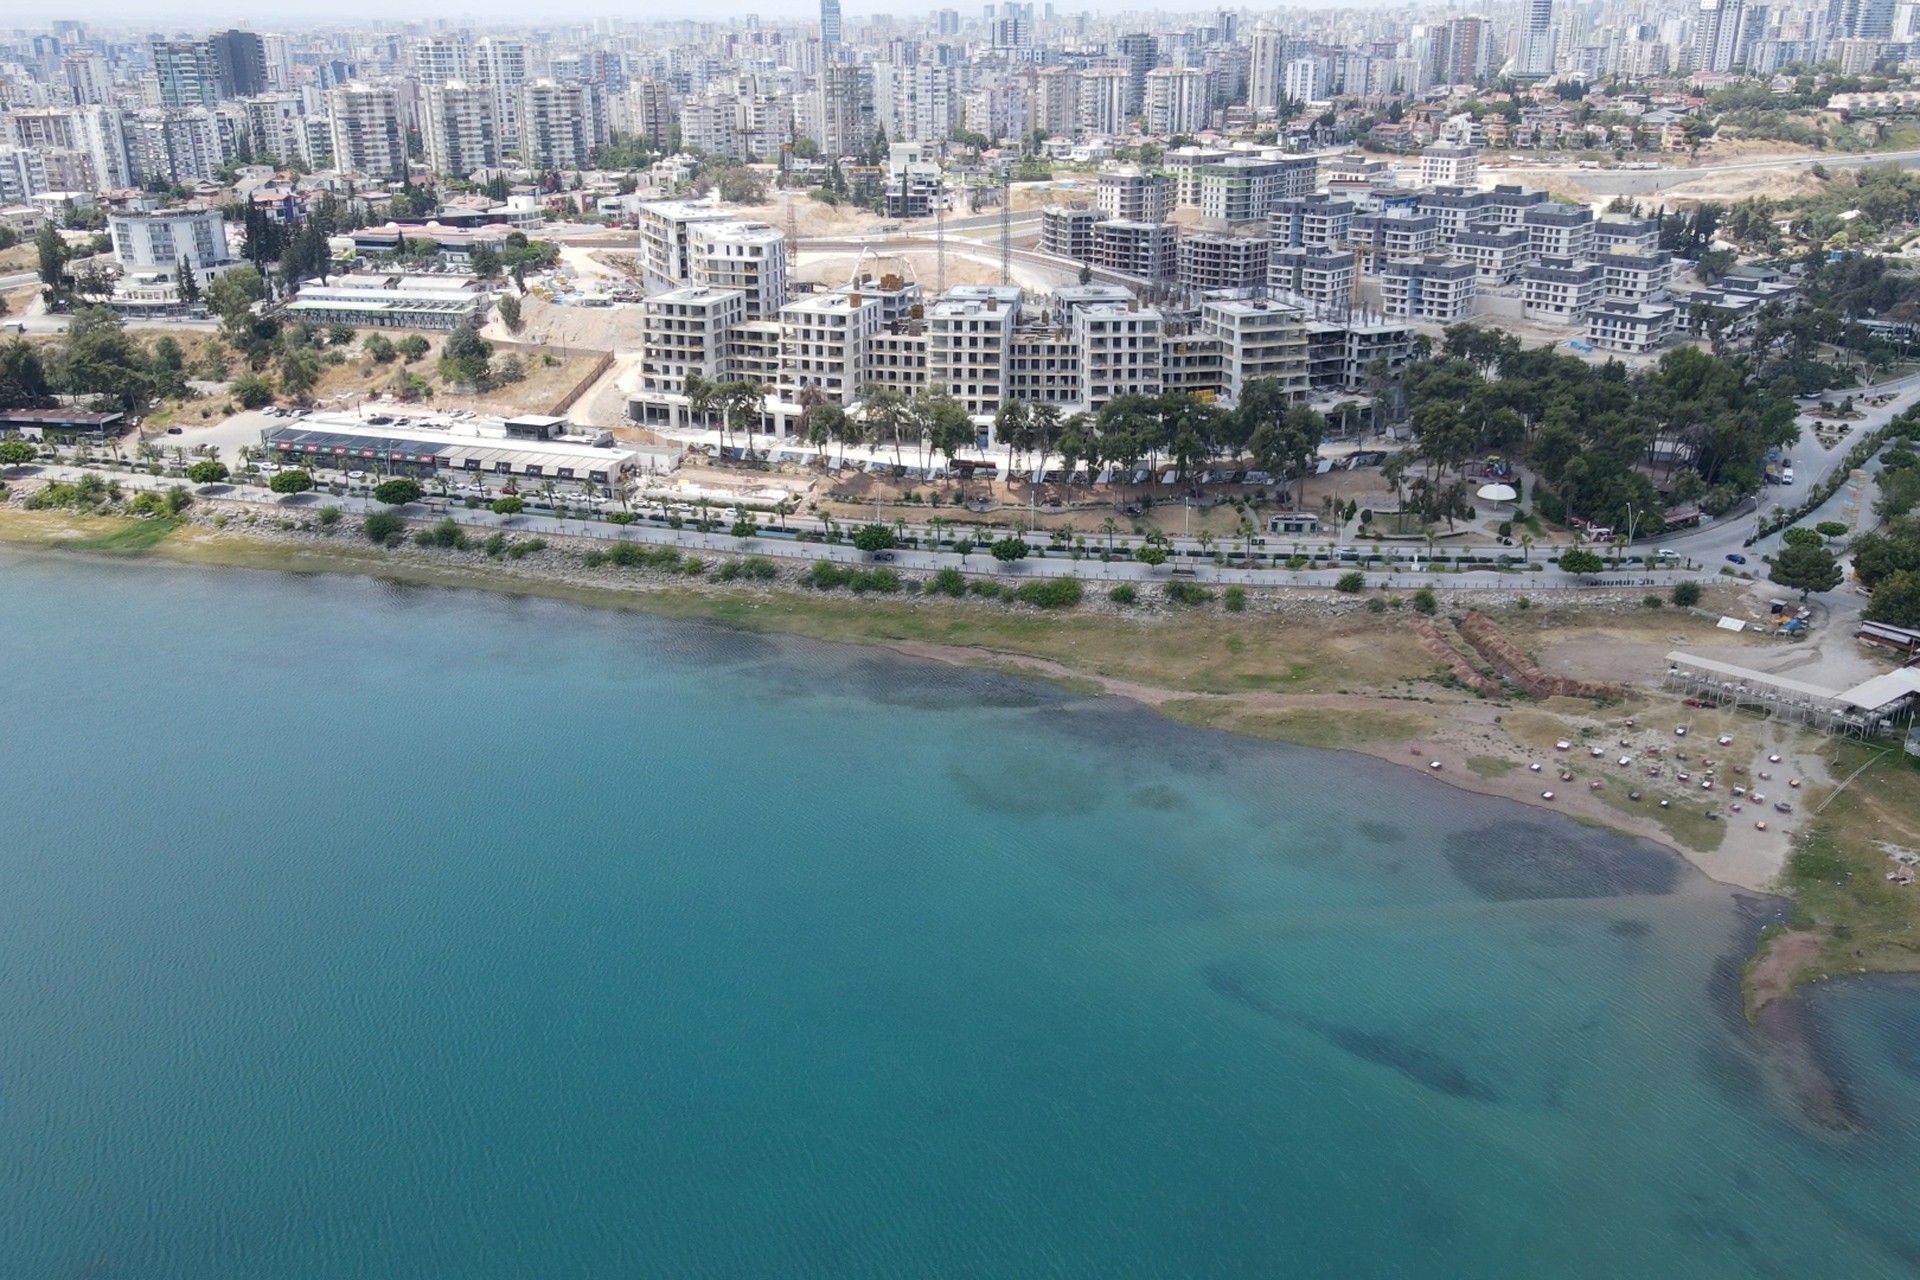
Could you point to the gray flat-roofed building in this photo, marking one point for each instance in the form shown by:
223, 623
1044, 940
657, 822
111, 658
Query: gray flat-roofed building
1507, 204
1560, 290
1068, 231
1427, 289
1632, 328
1498, 254
1455, 211
346, 445
393, 302
1559, 230
1320, 275
1622, 231
1314, 220
1223, 262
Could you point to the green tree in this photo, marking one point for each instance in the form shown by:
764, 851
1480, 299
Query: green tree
874, 537
231, 297
509, 505
1896, 601
23, 378
383, 527
509, 308
1009, 549
1351, 582
14, 453
207, 472
1830, 529
251, 390
398, 491
412, 347
52, 251
1581, 563
1806, 569
299, 371
484, 261
379, 347
1686, 594
290, 482
1801, 537
465, 357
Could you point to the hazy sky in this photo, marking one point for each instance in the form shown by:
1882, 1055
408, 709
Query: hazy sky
188, 15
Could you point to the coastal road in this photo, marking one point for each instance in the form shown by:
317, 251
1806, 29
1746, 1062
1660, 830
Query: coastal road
1409, 573
1813, 463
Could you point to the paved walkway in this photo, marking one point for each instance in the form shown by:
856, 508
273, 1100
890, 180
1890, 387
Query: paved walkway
1407, 574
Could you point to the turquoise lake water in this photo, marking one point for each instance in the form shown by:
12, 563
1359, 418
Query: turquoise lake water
350, 929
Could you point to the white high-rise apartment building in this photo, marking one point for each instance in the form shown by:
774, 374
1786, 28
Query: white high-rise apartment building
364, 122
1105, 99
88, 80
439, 59
103, 136
1535, 54
1306, 80
500, 66
919, 103
748, 257
559, 125
1266, 76
457, 129
1179, 100
181, 146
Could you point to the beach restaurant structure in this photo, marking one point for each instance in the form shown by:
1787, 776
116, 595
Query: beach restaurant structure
61, 424
1871, 708
427, 454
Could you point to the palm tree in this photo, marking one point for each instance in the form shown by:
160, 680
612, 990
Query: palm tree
741, 403
783, 509
1110, 527
1526, 547
1206, 543
935, 525
703, 396
1013, 427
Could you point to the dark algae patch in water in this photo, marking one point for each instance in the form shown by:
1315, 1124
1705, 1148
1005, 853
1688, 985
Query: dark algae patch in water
1518, 860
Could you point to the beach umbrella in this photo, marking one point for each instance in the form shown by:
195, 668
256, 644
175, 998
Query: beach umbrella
1498, 492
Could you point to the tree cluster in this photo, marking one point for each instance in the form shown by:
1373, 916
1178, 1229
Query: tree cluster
96, 358
1610, 447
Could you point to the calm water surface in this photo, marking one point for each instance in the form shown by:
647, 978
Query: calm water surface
357, 930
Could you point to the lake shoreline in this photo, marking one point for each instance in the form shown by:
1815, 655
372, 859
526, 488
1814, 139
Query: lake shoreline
1784, 1036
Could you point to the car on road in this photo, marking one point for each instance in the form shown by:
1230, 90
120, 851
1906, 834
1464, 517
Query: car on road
356, 475
1734, 557
175, 431
883, 555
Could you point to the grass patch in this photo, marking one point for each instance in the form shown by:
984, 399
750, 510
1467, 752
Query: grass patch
1336, 728
132, 537
1491, 766
113, 535
1837, 876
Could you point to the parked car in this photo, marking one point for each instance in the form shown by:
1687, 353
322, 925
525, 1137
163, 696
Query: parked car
1736, 558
